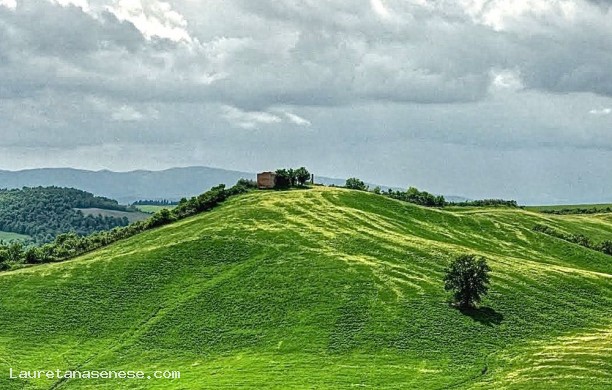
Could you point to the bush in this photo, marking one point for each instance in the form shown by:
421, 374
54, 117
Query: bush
355, 184
422, 198
579, 239
14, 252
162, 217
606, 247
244, 183
487, 203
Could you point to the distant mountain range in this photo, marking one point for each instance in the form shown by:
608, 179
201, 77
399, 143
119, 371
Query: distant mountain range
128, 187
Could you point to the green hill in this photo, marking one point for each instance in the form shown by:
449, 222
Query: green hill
321, 288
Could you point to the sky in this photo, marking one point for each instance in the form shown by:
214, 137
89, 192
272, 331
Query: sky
479, 98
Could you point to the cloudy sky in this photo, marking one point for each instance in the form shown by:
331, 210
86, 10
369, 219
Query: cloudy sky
482, 98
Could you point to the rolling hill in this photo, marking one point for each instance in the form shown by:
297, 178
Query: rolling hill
320, 288
128, 187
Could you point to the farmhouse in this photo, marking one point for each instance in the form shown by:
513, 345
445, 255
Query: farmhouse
266, 180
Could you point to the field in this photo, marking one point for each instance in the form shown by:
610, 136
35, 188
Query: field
9, 236
132, 216
150, 209
601, 206
320, 288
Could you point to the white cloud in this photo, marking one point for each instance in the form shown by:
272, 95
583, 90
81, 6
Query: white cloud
506, 80
153, 19
249, 119
503, 15
296, 119
10, 4
601, 111
126, 113
256, 119
121, 112
379, 7
83, 4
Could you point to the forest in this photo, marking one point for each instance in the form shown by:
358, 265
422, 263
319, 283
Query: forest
45, 212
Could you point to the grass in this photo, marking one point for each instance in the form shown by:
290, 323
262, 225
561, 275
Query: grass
9, 236
324, 288
151, 209
132, 216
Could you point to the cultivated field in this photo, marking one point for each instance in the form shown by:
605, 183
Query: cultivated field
132, 216
150, 209
602, 207
321, 288
9, 236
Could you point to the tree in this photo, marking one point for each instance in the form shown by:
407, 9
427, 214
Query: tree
15, 251
302, 175
355, 184
468, 278
283, 179
292, 177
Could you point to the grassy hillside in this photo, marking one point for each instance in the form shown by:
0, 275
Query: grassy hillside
321, 288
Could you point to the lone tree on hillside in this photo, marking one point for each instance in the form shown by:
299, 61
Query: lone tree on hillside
355, 184
468, 278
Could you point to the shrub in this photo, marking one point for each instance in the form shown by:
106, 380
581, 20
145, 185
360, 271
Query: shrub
245, 183
606, 247
355, 184
422, 198
487, 203
579, 239
162, 217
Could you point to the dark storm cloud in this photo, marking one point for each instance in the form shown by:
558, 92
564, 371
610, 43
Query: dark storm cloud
301, 52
